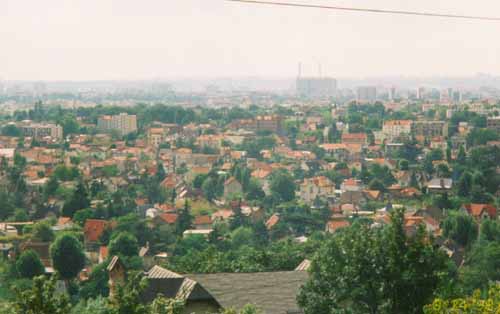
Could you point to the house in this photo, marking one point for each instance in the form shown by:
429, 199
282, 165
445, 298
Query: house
93, 229
263, 176
222, 215
335, 224
396, 128
271, 292
439, 185
351, 185
117, 274
42, 249
316, 187
203, 222
354, 138
166, 218
480, 211
232, 187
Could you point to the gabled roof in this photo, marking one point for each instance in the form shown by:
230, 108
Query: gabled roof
271, 292
477, 210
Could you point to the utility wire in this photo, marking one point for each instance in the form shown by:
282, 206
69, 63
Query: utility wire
326, 7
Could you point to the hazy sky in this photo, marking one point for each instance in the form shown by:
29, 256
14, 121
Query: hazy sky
141, 39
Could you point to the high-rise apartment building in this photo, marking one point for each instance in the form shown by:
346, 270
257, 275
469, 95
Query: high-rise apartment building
41, 130
367, 93
429, 129
123, 123
316, 87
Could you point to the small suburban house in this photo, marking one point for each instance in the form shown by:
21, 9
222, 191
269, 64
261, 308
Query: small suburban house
232, 187
271, 292
480, 211
317, 187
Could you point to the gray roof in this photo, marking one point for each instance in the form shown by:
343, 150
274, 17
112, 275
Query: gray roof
271, 292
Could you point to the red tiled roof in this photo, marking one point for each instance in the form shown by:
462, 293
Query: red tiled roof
334, 225
93, 229
202, 220
477, 209
271, 222
169, 218
103, 252
63, 220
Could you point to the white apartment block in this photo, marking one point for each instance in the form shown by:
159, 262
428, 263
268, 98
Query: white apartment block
123, 123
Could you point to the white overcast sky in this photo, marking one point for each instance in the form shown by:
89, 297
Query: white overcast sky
143, 39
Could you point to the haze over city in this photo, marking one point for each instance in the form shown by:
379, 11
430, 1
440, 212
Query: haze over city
105, 39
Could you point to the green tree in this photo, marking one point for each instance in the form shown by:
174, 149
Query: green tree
461, 228
41, 299
124, 244
67, 256
51, 186
79, 200
481, 266
373, 270
209, 188
464, 184
282, 186
29, 265
184, 220
42, 231
127, 299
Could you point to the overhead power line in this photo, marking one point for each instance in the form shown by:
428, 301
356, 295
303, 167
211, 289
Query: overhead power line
327, 7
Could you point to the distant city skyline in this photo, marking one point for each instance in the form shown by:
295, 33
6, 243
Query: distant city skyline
128, 40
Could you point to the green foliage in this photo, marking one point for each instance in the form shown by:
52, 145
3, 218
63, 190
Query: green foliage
127, 299
42, 298
97, 284
282, 186
162, 305
366, 270
63, 173
11, 130
29, 265
98, 305
67, 256
42, 231
482, 265
82, 215
124, 244
79, 200
461, 228
184, 220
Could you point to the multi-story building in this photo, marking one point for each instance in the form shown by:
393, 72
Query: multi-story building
396, 128
313, 87
367, 93
156, 136
429, 129
493, 123
123, 123
271, 123
354, 138
317, 187
41, 130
